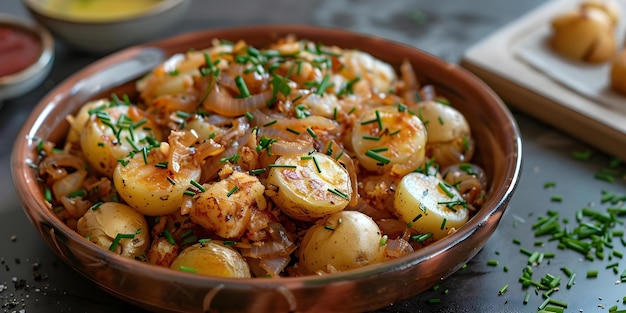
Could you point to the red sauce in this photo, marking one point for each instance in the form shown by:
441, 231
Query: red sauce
18, 50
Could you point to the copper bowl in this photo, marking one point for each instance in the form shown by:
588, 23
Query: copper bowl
367, 288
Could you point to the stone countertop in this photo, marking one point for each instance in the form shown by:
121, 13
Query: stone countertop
33, 279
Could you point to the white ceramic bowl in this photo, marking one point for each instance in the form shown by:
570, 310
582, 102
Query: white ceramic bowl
19, 83
105, 36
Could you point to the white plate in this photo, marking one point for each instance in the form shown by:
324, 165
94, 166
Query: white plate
571, 96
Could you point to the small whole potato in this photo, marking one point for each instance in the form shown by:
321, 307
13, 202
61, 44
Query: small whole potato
584, 35
341, 241
309, 187
618, 73
111, 220
212, 259
611, 7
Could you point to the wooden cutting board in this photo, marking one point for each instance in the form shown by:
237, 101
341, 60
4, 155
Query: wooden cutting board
530, 91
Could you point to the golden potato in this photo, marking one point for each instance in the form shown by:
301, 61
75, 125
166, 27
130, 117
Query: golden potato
341, 241
212, 259
618, 73
610, 7
116, 227
309, 187
584, 35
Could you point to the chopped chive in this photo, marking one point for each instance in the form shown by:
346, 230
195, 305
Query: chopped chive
383, 240
571, 281
417, 217
189, 193
381, 149
291, 130
445, 189
338, 193
241, 85
270, 123
169, 237
582, 155
374, 155
567, 271
257, 171
553, 309
339, 156
77, 193
434, 300
183, 114
249, 116
329, 148
231, 158
556, 198
379, 120
197, 185
557, 302
550, 184
119, 237
311, 132
592, 273
189, 240
96, 206
171, 180
421, 238
232, 191
273, 165
187, 269
492, 262
144, 152
503, 289
317, 166
395, 132
323, 85
443, 223
327, 227
533, 258
375, 138
161, 164
526, 297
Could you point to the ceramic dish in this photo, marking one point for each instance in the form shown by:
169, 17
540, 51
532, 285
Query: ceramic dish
18, 34
364, 289
101, 36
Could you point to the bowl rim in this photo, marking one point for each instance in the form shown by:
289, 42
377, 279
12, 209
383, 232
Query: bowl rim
45, 56
36, 7
500, 195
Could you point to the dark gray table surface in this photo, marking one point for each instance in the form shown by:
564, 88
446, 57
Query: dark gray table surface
33, 279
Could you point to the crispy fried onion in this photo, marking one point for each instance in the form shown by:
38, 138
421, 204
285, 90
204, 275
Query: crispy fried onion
451, 152
470, 180
222, 102
274, 253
